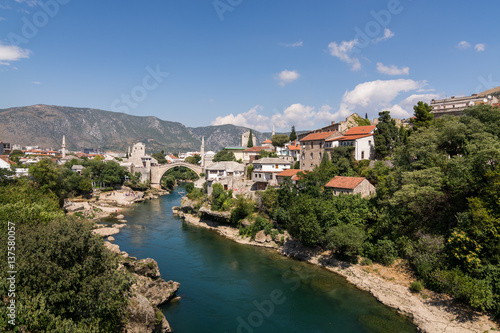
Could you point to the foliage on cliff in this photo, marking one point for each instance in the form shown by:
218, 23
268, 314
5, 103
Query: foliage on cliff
438, 207
66, 280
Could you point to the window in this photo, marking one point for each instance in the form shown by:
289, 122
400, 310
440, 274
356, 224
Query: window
312, 144
320, 145
276, 166
362, 155
312, 156
319, 155
369, 142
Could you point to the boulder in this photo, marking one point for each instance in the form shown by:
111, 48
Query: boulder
143, 317
120, 216
260, 237
122, 221
158, 291
112, 247
145, 267
269, 238
246, 223
118, 226
111, 239
105, 232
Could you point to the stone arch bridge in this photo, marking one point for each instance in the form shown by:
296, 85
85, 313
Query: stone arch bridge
157, 172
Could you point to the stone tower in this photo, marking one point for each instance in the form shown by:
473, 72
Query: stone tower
64, 147
202, 151
274, 132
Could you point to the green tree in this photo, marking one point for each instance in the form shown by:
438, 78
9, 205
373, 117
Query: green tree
160, 157
224, 155
279, 140
250, 140
293, 134
386, 135
423, 115
346, 239
195, 159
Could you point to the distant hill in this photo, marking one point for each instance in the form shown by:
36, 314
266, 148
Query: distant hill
493, 92
219, 137
44, 125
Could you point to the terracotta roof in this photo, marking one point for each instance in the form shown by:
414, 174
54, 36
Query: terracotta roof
6, 159
288, 172
256, 149
350, 137
317, 136
267, 141
290, 147
345, 182
360, 130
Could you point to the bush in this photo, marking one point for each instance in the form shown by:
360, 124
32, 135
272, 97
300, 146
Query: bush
66, 280
244, 207
189, 187
346, 239
366, 262
385, 252
416, 286
476, 293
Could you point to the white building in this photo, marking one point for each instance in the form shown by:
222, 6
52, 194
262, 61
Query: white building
219, 170
361, 138
265, 171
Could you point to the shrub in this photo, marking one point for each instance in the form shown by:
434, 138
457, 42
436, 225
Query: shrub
366, 262
416, 286
385, 252
244, 207
189, 187
346, 239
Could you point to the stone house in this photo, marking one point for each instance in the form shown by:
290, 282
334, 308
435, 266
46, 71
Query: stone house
351, 185
251, 154
312, 148
219, 170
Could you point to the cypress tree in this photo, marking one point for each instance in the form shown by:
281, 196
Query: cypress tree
250, 140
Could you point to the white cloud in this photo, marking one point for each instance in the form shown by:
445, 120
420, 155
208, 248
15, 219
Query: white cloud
36, 82
287, 77
30, 3
296, 44
12, 53
295, 114
463, 45
392, 70
324, 114
387, 34
2, 19
480, 47
342, 52
404, 109
375, 96
251, 119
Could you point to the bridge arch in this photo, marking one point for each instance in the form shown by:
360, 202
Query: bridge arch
157, 172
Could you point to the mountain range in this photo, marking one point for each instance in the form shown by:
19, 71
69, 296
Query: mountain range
44, 126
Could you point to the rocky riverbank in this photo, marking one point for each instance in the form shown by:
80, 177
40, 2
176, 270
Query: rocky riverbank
148, 292
110, 203
431, 312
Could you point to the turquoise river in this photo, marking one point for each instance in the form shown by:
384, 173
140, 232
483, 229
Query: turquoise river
229, 287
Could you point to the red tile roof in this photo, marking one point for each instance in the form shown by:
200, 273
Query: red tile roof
6, 159
360, 130
293, 173
350, 137
345, 182
317, 136
290, 147
267, 141
288, 172
256, 149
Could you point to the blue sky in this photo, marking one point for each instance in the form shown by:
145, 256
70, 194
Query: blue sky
253, 63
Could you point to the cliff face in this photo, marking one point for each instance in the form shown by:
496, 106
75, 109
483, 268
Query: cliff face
44, 126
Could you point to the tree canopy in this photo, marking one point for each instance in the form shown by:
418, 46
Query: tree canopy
279, 140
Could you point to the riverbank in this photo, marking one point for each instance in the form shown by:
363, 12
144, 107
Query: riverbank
431, 312
111, 203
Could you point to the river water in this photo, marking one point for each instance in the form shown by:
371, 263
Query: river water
229, 287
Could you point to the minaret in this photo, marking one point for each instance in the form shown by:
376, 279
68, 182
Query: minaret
274, 133
64, 147
128, 154
202, 151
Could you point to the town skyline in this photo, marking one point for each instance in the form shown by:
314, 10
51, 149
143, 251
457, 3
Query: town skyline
250, 64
